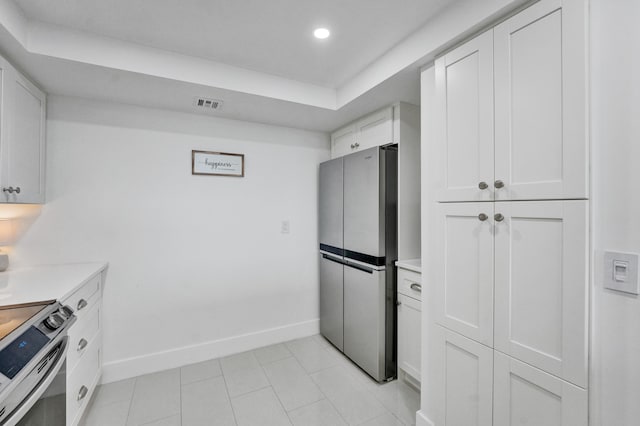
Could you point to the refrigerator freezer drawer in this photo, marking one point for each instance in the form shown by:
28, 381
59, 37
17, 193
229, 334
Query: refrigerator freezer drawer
365, 319
331, 299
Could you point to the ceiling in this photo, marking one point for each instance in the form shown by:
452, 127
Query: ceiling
258, 56
273, 37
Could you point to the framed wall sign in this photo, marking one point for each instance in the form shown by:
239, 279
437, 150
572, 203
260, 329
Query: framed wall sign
217, 163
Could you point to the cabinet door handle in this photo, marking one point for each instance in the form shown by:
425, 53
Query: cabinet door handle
416, 287
352, 146
483, 217
498, 184
483, 185
82, 304
498, 217
17, 189
10, 190
82, 392
82, 344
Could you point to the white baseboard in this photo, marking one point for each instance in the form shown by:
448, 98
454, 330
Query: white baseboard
422, 420
178, 357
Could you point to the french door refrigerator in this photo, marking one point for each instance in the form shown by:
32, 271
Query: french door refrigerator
358, 249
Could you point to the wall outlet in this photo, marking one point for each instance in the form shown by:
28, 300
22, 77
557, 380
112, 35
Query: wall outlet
284, 228
621, 272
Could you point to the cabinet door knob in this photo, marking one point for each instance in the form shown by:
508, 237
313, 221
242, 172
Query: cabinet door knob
398, 303
498, 217
483, 185
498, 184
483, 217
357, 144
352, 146
82, 304
82, 344
82, 392
17, 189
416, 287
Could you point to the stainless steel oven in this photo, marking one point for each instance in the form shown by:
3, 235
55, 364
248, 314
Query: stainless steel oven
33, 350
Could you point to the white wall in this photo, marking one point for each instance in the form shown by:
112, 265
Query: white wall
615, 126
193, 259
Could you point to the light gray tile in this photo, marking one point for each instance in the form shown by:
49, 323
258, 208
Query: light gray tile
114, 414
319, 413
200, 371
400, 399
386, 419
169, 421
272, 353
243, 374
155, 397
312, 355
322, 341
114, 392
259, 408
206, 403
292, 384
349, 396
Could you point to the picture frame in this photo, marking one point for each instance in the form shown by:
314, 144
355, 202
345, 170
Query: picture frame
210, 163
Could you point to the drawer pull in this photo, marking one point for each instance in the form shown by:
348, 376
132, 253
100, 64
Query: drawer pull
82, 393
82, 304
82, 344
416, 287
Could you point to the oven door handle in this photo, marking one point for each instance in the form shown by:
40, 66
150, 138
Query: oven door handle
37, 392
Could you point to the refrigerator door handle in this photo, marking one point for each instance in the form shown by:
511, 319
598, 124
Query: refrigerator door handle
333, 259
358, 267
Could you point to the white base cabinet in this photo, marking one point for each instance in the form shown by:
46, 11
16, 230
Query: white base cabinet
84, 358
524, 395
463, 382
409, 325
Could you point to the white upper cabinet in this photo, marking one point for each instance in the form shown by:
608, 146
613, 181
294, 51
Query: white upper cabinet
464, 269
464, 92
524, 395
22, 138
512, 109
541, 285
380, 128
541, 147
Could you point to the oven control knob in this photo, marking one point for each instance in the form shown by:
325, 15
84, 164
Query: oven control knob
54, 321
66, 312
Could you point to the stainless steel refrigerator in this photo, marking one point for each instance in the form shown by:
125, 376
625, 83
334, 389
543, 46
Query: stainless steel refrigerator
358, 249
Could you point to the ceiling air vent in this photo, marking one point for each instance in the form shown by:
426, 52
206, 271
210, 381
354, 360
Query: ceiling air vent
206, 103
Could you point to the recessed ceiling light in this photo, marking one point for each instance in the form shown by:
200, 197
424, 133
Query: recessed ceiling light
321, 33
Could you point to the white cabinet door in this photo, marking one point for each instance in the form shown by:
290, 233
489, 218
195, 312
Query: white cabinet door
375, 129
541, 285
464, 103
524, 395
23, 145
342, 141
464, 283
541, 147
464, 383
409, 336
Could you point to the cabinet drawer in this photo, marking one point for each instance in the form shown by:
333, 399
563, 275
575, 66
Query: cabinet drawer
82, 300
84, 376
410, 283
82, 334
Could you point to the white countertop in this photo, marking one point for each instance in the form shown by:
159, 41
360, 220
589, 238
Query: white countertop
45, 282
414, 265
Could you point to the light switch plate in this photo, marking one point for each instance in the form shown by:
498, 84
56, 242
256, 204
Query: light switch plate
621, 272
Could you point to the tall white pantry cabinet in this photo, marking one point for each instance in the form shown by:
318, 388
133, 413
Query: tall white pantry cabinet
508, 209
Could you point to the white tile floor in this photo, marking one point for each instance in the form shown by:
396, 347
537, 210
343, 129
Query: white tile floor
305, 382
